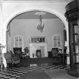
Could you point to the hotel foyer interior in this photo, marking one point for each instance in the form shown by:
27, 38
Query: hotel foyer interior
35, 35
39, 41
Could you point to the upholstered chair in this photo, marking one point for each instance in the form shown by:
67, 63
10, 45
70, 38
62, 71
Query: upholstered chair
8, 58
56, 57
11, 59
54, 52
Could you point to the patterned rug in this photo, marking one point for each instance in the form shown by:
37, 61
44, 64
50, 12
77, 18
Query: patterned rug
36, 72
35, 75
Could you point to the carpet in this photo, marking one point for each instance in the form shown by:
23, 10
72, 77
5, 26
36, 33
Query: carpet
35, 75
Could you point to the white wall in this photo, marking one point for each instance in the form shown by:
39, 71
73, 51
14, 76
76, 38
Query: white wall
28, 28
12, 8
1, 21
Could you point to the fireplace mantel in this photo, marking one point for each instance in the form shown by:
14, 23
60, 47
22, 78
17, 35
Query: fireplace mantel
38, 46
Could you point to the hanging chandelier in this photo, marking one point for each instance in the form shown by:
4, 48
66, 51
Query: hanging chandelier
40, 25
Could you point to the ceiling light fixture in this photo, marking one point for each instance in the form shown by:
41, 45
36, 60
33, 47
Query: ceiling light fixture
40, 25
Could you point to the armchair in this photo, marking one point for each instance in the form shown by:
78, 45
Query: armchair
17, 55
54, 52
16, 59
11, 59
55, 55
17, 51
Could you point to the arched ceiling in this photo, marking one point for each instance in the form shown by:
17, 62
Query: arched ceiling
33, 15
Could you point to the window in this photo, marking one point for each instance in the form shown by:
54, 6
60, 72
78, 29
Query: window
57, 41
18, 41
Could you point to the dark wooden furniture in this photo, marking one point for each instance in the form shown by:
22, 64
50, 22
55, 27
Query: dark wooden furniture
49, 54
72, 15
56, 56
17, 54
11, 59
54, 52
17, 51
8, 57
27, 61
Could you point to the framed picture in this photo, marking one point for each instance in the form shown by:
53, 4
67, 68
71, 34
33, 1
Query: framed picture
37, 39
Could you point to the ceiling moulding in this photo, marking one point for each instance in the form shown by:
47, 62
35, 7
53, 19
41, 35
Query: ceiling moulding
40, 13
39, 0
35, 15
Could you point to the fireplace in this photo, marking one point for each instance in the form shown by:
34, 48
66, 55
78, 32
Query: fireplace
38, 50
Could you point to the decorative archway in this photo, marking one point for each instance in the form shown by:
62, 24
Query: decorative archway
20, 11
57, 13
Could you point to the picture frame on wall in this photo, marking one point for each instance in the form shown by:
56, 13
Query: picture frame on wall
37, 39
